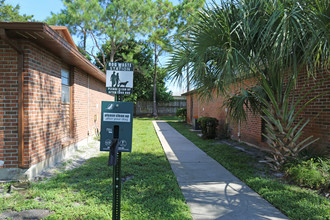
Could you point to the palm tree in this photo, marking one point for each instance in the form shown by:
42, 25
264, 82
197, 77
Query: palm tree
180, 63
271, 42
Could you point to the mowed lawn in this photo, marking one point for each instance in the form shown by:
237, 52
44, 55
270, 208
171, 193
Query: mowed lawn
149, 192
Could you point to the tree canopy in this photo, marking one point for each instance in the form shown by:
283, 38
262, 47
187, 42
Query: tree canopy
80, 16
11, 13
104, 21
112, 24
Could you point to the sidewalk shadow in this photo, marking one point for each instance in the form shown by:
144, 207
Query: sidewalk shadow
227, 200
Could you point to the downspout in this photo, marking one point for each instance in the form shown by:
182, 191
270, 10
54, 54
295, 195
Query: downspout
88, 109
20, 64
239, 131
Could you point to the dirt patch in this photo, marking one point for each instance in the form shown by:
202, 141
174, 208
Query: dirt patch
258, 154
26, 214
81, 156
7, 189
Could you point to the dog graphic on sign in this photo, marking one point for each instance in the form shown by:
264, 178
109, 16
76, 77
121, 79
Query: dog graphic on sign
115, 80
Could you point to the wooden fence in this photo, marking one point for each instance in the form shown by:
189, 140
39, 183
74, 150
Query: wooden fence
164, 108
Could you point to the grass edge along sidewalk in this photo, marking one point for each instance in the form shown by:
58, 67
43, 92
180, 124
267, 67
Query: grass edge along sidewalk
293, 201
149, 190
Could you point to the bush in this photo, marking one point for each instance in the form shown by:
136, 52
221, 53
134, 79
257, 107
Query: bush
182, 113
208, 126
313, 173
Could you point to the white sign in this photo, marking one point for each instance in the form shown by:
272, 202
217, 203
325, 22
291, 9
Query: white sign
119, 79
117, 117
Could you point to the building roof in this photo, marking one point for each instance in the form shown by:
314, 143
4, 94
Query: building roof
65, 33
189, 92
57, 40
177, 97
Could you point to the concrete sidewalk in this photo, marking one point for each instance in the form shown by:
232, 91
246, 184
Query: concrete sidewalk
211, 191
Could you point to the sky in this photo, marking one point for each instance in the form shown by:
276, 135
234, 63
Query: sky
41, 9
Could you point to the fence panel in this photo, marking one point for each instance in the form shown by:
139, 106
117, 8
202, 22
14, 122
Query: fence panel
164, 108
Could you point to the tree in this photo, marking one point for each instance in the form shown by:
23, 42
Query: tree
123, 20
144, 86
187, 12
104, 21
140, 54
10, 13
163, 22
80, 16
272, 42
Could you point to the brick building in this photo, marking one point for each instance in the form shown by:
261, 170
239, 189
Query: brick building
50, 97
250, 131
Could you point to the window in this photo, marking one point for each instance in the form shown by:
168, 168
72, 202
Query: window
65, 76
66, 105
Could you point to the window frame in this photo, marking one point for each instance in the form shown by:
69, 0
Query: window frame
65, 83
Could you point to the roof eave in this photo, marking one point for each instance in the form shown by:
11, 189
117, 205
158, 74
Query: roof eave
56, 45
189, 92
81, 61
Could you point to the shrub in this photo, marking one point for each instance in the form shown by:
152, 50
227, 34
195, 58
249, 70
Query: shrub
182, 113
208, 126
313, 173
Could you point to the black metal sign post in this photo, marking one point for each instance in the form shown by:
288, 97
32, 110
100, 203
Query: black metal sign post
116, 188
116, 182
115, 161
116, 125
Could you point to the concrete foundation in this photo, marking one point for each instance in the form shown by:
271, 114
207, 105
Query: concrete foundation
28, 174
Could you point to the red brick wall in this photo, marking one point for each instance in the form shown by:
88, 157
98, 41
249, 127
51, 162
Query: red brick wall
96, 97
80, 105
90, 106
45, 120
250, 131
42, 104
189, 113
318, 112
8, 106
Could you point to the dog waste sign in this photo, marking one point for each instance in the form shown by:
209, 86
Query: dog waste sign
119, 79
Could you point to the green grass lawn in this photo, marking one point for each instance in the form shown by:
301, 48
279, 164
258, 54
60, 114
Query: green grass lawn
86, 192
293, 201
